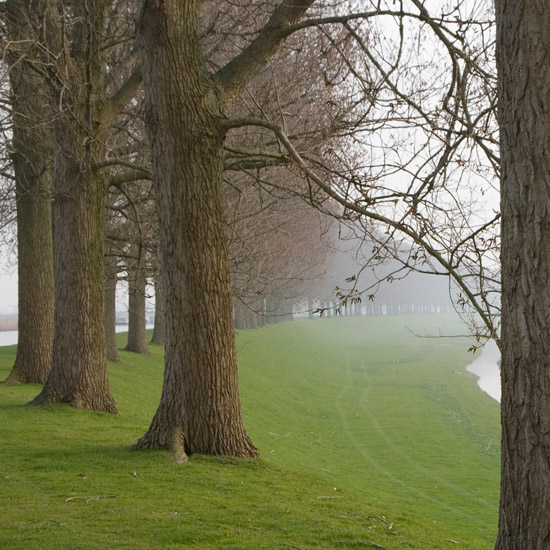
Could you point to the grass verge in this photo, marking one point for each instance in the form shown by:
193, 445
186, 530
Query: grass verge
370, 437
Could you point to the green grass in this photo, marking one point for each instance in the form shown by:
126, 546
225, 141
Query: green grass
357, 421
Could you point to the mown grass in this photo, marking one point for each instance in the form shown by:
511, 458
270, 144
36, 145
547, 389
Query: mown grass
368, 435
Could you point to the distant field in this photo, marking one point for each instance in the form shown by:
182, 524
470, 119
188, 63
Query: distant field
369, 436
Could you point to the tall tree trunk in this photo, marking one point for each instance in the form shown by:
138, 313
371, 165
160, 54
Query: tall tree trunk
79, 369
137, 336
159, 330
110, 309
200, 408
523, 42
31, 159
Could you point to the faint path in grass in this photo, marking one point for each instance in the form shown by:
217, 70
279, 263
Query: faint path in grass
410, 460
363, 447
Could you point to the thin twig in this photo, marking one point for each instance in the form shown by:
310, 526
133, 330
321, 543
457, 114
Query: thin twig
368, 543
87, 499
378, 518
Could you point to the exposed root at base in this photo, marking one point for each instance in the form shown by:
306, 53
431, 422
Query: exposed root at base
44, 399
177, 445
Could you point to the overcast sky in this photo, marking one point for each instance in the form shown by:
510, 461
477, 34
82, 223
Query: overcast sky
8, 293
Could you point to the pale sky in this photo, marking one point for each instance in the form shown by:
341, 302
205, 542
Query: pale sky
8, 293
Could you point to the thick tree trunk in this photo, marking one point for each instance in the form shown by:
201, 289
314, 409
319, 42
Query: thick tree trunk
200, 408
110, 309
523, 42
33, 183
35, 282
79, 369
137, 336
159, 330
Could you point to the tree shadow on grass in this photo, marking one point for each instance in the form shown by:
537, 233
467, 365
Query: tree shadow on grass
73, 452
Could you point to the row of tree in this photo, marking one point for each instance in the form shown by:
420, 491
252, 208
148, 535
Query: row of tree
79, 148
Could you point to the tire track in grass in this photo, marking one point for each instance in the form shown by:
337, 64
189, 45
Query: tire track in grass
362, 449
359, 447
406, 457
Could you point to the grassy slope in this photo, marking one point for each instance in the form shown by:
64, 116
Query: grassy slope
383, 424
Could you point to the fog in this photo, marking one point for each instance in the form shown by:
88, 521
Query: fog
358, 269
382, 287
415, 288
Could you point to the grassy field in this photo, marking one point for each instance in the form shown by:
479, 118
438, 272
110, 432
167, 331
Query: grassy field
369, 436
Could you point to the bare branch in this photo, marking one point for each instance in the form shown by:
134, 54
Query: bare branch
123, 95
344, 199
238, 72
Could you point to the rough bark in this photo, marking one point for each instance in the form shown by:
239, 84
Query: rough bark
76, 90
200, 409
159, 330
524, 117
31, 159
137, 336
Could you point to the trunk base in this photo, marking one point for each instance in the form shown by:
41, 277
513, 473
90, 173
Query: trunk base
142, 350
15, 378
98, 402
174, 441
162, 436
32, 375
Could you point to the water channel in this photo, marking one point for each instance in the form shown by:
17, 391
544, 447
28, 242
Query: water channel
486, 368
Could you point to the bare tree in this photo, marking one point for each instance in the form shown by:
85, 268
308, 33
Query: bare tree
187, 106
73, 44
383, 101
137, 283
413, 152
279, 248
32, 169
110, 284
74, 74
159, 329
